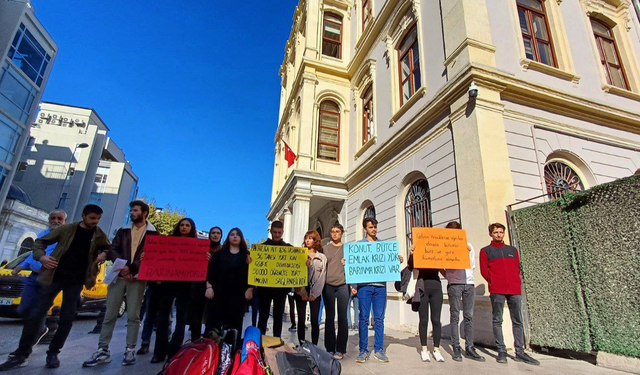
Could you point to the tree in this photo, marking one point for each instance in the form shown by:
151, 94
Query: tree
164, 219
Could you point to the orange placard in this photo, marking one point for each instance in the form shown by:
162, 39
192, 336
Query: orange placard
440, 248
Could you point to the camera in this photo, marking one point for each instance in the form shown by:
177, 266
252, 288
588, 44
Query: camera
473, 90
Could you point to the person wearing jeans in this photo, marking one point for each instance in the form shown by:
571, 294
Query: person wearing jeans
353, 302
336, 290
500, 266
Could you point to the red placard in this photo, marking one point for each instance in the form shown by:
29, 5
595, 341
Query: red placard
174, 259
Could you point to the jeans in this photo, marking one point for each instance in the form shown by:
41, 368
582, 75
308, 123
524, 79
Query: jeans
372, 298
30, 296
514, 303
169, 292
301, 307
278, 296
33, 326
353, 300
117, 290
467, 293
430, 300
331, 295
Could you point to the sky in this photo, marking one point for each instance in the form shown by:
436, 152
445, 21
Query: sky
189, 90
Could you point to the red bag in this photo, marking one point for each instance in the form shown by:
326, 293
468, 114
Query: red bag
196, 358
252, 365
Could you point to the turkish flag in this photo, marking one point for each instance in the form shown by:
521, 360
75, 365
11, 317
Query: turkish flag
289, 155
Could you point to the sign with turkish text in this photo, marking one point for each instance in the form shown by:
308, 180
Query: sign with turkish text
174, 259
440, 248
278, 266
374, 261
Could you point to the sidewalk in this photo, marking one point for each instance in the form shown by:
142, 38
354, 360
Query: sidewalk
402, 349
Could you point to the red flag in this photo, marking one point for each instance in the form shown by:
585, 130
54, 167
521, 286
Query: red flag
289, 155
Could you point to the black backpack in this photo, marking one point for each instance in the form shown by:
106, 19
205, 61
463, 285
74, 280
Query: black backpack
325, 361
296, 364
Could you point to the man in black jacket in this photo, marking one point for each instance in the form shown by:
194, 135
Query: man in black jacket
128, 245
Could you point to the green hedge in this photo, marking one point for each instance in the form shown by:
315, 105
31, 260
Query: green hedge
581, 266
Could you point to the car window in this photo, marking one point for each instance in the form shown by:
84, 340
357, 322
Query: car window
14, 263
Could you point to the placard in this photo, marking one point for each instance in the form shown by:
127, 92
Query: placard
174, 259
278, 266
440, 248
374, 261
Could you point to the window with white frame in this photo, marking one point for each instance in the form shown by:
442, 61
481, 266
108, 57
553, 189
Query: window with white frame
329, 131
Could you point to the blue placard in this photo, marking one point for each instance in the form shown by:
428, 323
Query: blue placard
368, 262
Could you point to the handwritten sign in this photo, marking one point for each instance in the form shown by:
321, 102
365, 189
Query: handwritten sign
368, 262
278, 266
440, 248
174, 258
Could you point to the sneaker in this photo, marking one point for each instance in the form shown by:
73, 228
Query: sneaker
338, 356
129, 357
425, 356
380, 356
526, 358
362, 357
99, 357
502, 357
42, 335
437, 355
457, 355
52, 361
144, 349
472, 354
14, 362
292, 328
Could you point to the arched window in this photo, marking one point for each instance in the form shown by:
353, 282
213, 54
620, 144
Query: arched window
609, 55
332, 36
535, 31
409, 63
26, 245
329, 131
561, 178
370, 212
367, 115
417, 208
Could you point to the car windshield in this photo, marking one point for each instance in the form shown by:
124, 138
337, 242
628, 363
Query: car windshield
14, 263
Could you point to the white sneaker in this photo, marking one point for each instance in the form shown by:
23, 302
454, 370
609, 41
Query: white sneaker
99, 357
424, 355
437, 355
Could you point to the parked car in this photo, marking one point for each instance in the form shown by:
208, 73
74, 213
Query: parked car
91, 300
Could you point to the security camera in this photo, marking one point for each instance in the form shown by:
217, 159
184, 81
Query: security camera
473, 90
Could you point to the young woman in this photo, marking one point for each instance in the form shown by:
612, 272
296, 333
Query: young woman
429, 295
198, 288
168, 292
312, 293
227, 284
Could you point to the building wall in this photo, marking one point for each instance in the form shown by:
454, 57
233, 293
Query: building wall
18, 222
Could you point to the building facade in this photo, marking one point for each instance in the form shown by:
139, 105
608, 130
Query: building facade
27, 53
420, 112
70, 161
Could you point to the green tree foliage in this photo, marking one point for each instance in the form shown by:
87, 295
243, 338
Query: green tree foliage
164, 219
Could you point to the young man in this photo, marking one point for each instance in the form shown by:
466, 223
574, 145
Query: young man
128, 244
500, 266
74, 263
336, 290
461, 285
372, 296
268, 294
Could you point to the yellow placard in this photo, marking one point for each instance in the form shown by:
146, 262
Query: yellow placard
440, 248
278, 266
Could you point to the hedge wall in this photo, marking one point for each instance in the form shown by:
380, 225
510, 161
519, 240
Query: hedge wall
581, 266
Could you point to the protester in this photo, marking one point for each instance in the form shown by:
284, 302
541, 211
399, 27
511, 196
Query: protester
198, 302
128, 244
461, 285
353, 303
312, 292
228, 287
73, 264
166, 293
500, 266
336, 291
268, 294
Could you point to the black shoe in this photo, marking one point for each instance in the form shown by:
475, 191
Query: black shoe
472, 354
14, 362
52, 361
292, 328
502, 357
526, 358
457, 355
157, 359
144, 349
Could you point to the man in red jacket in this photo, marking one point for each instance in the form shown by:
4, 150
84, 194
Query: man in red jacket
500, 266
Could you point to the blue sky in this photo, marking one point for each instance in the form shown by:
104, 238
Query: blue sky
190, 91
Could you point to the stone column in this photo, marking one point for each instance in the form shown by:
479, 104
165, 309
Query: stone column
301, 204
288, 226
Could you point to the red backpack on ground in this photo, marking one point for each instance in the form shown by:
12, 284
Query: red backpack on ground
252, 365
196, 358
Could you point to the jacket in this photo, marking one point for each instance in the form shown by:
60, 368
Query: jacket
121, 246
30, 263
63, 235
500, 266
317, 276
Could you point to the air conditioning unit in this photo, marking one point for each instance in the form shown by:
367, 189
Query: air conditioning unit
43, 115
79, 122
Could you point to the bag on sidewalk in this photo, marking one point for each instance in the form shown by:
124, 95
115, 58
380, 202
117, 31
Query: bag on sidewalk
296, 364
271, 353
198, 357
325, 361
252, 364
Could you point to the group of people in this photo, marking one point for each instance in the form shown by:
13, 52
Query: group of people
67, 257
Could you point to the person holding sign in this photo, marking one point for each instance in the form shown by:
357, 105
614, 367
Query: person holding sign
227, 286
336, 290
312, 293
